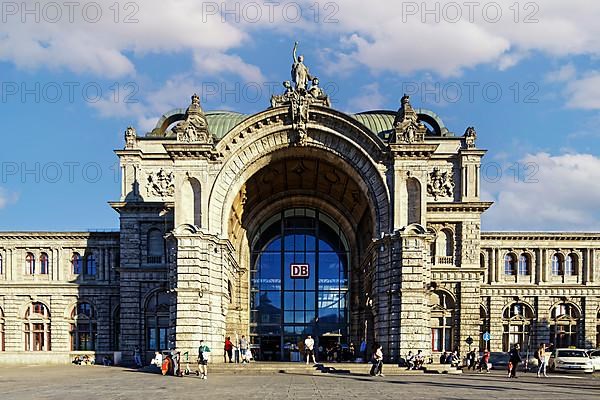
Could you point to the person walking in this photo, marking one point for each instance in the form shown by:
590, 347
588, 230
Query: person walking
137, 356
484, 362
243, 349
471, 360
228, 350
514, 360
540, 355
377, 368
309, 349
203, 357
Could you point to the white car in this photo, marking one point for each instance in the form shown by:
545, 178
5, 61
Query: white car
595, 357
571, 360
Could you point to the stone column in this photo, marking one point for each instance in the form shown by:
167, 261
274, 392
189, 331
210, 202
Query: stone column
496, 328
470, 298
590, 307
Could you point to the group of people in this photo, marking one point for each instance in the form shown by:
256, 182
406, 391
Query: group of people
237, 351
415, 361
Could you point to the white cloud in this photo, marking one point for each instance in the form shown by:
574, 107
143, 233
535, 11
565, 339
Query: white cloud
564, 74
7, 197
370, 99
553, 193
584, 93
216, 63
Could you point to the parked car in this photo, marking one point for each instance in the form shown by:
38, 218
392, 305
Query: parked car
595, 357
570, 360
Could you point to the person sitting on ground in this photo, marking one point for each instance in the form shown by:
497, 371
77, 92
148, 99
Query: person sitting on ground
444, 357
454, 359
419, 359
157, 360
410, 361
107, 361
77, 360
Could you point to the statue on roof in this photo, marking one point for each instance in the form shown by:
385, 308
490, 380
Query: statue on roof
300, 74
130, 137
470, 137
194, 128
407, 128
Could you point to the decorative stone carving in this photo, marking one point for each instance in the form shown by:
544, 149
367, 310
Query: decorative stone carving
194, 129
441, 184
300, 74
130, 137
161, 184
407, 128
470, 137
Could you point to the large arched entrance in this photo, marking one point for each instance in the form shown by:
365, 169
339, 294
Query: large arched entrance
298, 283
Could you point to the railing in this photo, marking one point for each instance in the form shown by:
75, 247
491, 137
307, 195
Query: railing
445, 260
154, 259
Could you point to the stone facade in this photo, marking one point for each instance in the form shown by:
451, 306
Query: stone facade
403, 188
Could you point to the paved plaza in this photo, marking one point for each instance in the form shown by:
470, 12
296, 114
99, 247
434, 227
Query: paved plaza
95, 382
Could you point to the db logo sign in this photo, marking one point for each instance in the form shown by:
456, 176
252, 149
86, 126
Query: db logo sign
301, 271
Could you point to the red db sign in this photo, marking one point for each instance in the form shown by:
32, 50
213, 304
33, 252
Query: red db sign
299, 271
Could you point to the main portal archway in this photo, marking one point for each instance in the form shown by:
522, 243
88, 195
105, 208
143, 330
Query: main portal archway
299, 283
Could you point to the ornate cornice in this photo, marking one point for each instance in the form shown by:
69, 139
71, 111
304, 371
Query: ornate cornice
413, 150
554, 236
474, 206
192, 150
32, 235
125, 206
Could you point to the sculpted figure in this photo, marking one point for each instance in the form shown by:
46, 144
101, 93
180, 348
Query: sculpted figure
300, 74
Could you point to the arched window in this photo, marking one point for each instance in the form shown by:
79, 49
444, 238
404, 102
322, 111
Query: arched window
30, 264
90, 265
43, 263
598, 330
83, 327
516, 320
444, 247
1, 266
510, 267
156, 246
442, 321
484, 326
76, 263
482, 260
571, 264
413, 209
557, 264
1, 330
564, 319
524, 264
116, 338
36, 327
157, 321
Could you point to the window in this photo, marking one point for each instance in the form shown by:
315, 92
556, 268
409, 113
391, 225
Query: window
444, 247
564, 319
156, 246
157, 321
76, 263
36, 327
484, 326
516, 321
442, 321
1, 270
1, 330
557, 264
30, 263
571, 264
524, 264
44, 263
116, 339
598, 330
510, 264
90, 265
83, 328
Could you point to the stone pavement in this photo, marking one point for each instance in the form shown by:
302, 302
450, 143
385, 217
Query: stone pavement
114, 383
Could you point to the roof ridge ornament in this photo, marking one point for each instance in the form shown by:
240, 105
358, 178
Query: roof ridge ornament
299, 97
407, 128
194, 128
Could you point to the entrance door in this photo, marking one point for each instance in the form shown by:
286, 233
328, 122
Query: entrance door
299, 282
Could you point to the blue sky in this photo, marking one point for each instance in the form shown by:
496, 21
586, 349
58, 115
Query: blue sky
71, 85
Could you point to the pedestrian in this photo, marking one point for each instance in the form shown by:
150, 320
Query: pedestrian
236, 348
514, 360
203, 357
540, 355
471, 360
485, 361
410, 360
309, 349
419, 359
352, 352
363, 349
176, 356
243, 349
228, 350
376, 369
137, 356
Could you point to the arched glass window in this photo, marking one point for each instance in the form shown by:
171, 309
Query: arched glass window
1, 330
116, 338
524, 265
30, 264
157, 321
90, 265
484, 326
442, 321
557, 264
76, 263
571, 264
44, 263
564, 319
156, 247
510, 267
516, 320
83, 327
36, 327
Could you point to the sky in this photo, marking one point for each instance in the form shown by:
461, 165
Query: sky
525, 74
